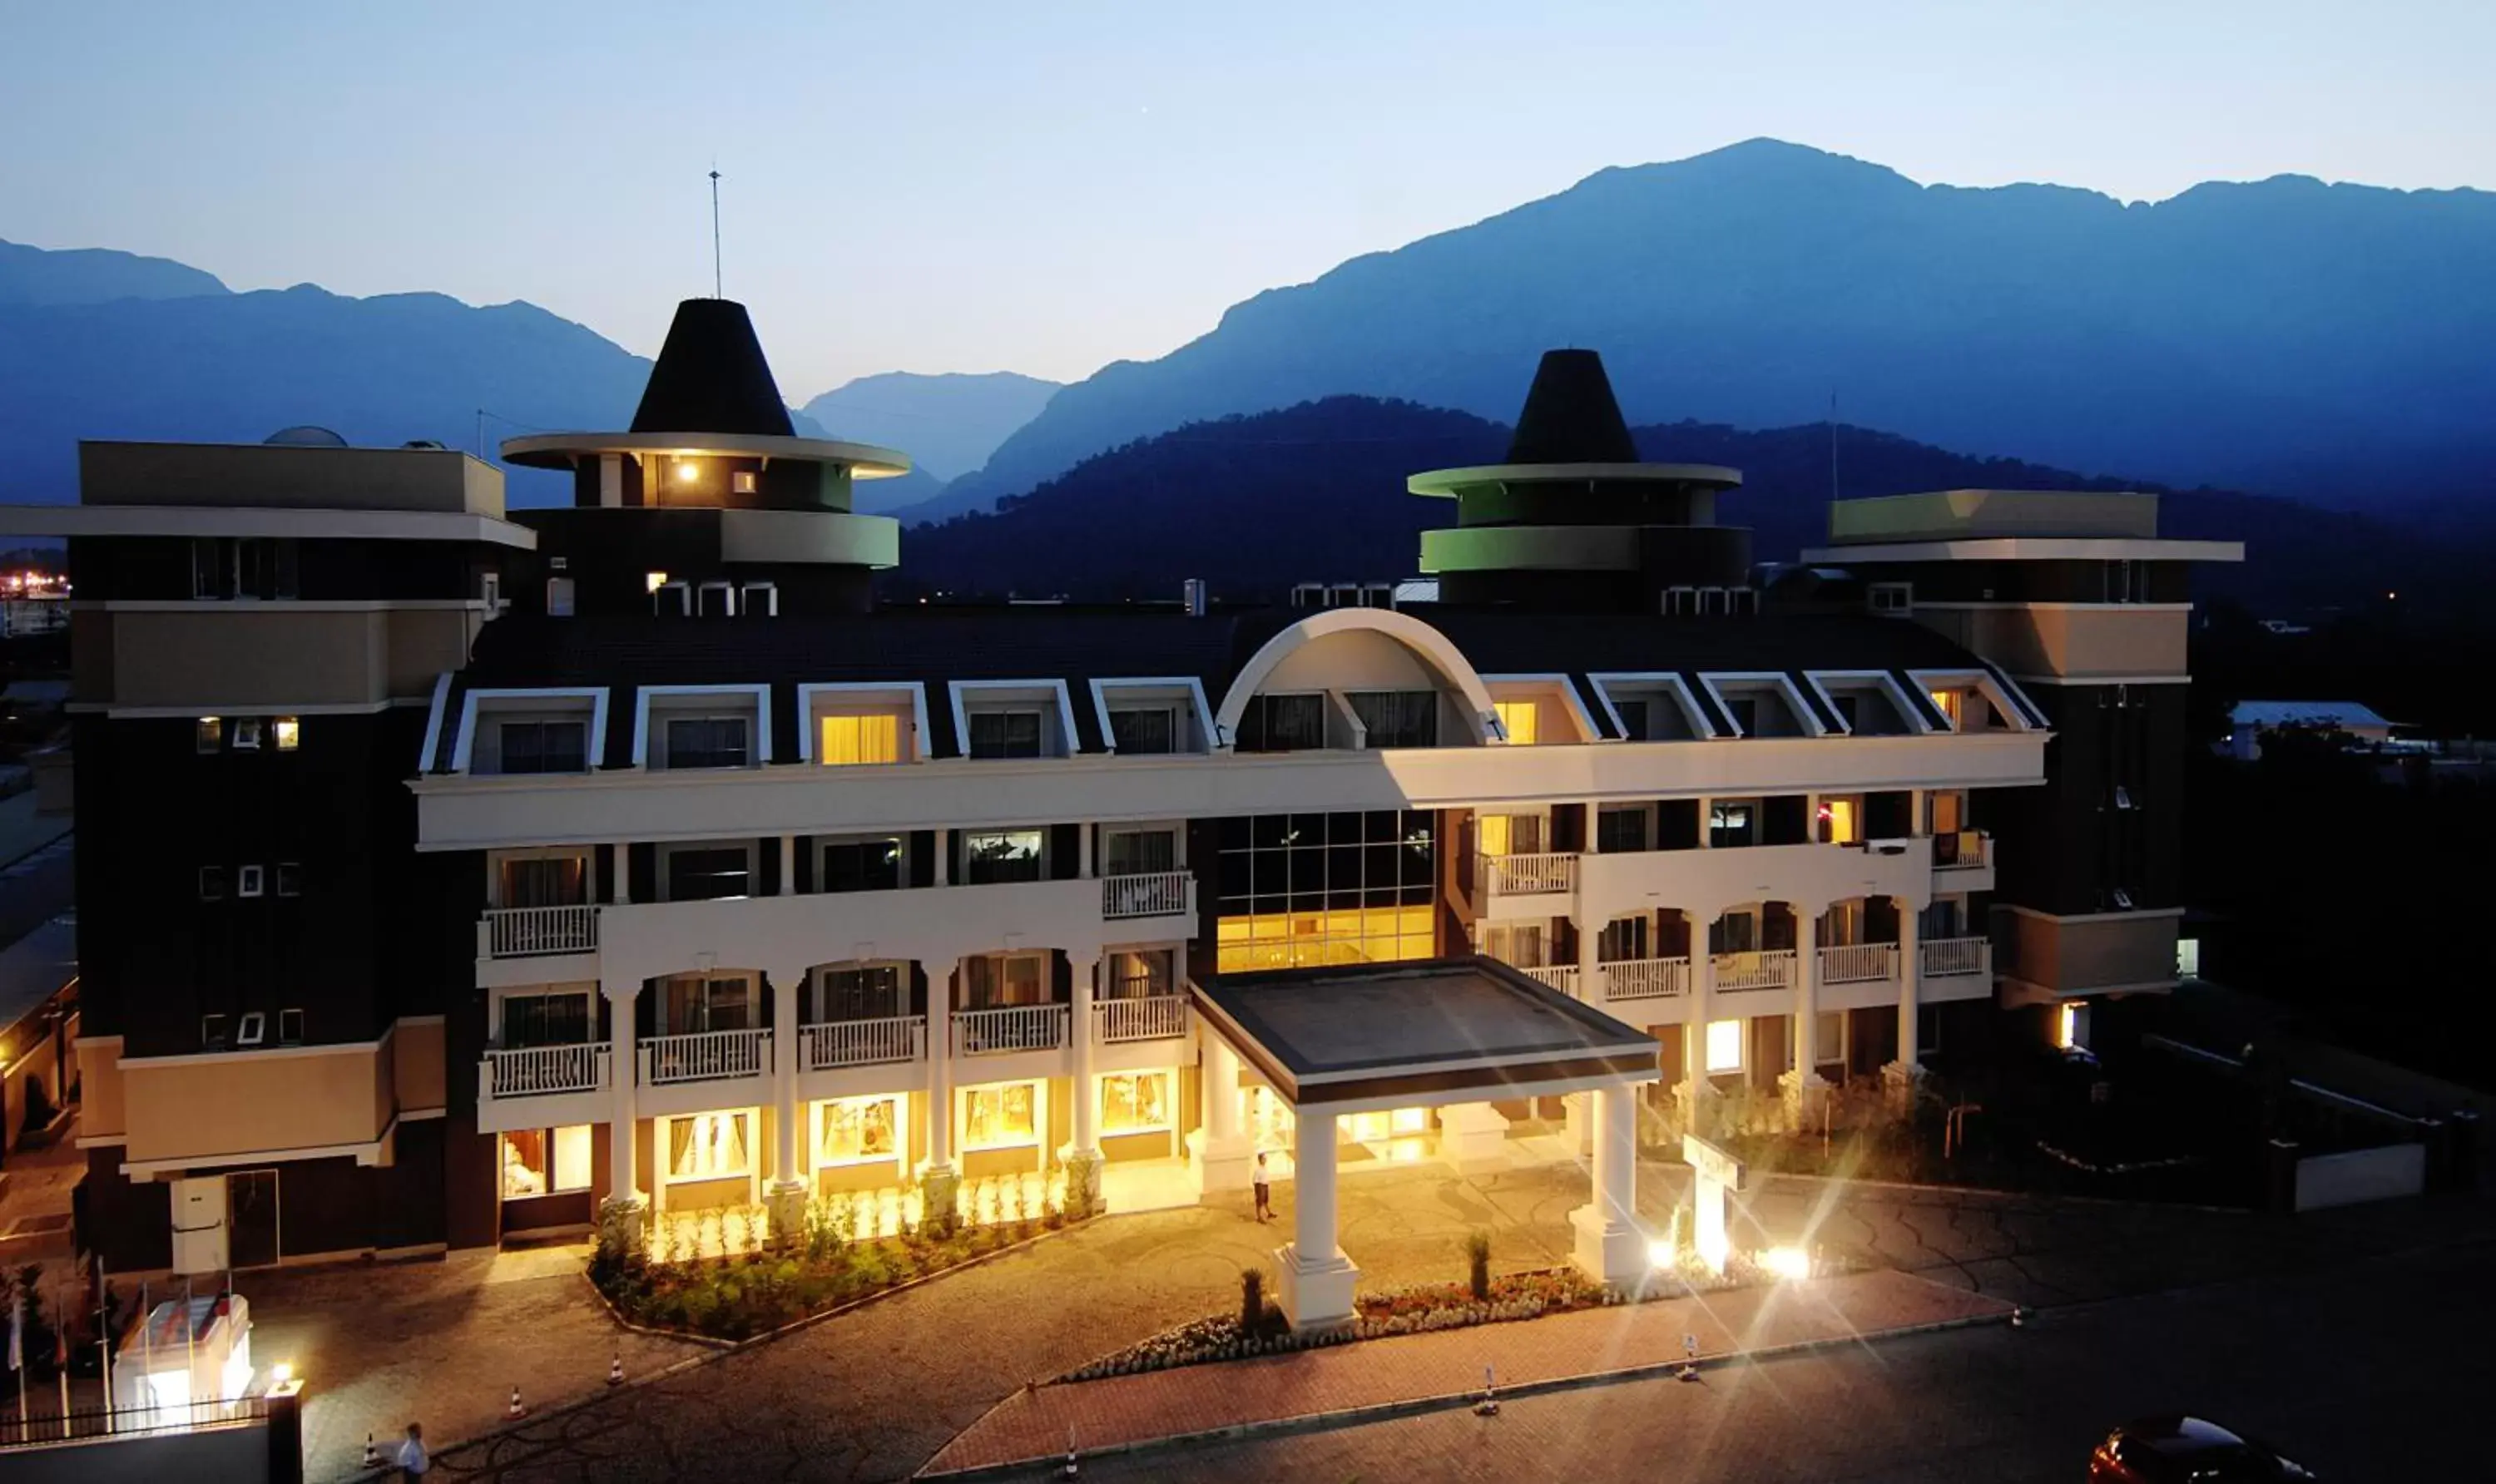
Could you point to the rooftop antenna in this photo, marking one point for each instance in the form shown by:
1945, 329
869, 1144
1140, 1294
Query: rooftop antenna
715, 232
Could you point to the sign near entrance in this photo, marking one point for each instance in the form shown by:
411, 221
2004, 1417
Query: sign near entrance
1711, 1163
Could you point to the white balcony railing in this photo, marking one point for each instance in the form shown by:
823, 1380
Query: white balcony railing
535, 1070
1560, 976
1529, 875
1147, 1019
837, 1043
530, 932
1944, 957
705, 1056
1766, 968
1015, 1028
1159, 894
1859, 963
1965, 850
1646, 978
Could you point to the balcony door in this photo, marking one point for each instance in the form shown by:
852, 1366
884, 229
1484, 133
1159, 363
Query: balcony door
996, 981
1139, 851
695, 1004
543, 882
858, 992
1511, 834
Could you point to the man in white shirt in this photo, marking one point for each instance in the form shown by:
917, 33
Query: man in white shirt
411, 1461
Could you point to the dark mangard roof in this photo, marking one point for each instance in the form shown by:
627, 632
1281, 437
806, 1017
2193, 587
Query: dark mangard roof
937, 644
1571, 416
710, 377
1444, 1030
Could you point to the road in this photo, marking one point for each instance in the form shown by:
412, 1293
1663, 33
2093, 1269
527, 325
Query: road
2369, 1370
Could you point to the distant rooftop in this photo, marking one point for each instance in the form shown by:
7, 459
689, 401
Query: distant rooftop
2347, 716
1973, 515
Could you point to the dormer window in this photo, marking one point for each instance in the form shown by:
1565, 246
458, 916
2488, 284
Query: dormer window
1764, 704
718, 600
1143, 729
1397, 718
1152, 717
1282, 724
1869, 702
1012, 719
684, 727
1005, 734
708, 742
552, 730
850, 725
542, 747
1652, 707
672, 600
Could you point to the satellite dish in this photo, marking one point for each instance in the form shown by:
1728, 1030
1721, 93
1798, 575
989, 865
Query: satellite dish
303, 435
422, 443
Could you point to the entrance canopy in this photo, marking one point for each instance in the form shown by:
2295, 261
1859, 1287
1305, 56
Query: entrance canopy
1367, 1036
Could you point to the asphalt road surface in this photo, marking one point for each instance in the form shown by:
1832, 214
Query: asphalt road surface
2377, 1369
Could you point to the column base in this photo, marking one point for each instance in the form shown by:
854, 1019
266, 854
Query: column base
940, 1194
1472, 1136
1082, 1179
1899, 1083
786, 1201
1228, 1163
1577, 1123
1607, 1250
1315, 1294
624, 1223
1805, 1094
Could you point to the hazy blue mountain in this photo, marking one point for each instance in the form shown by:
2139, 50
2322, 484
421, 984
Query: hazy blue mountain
1317, 492
234, 367
947, 425
94, 275
2333, 342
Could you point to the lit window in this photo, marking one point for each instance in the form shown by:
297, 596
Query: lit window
2072, 1026
1135, 1102
247, 734
858, 1131
2187, 958
1005, 1116
208, 733
992, 857
251, 1029
545, 1161
1518, 718
1828, 1038
1839, 822
1947, 702
741, 482
288, 733
1724, 1045
709, 1146
655, 580
848, 740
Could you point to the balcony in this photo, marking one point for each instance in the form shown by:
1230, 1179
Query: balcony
1645, 978
1155, 894
836, 1044
541, 1087
1859, 963
1148, 1018
1948, 957
1549, 874
1560, 976
537, 1072
536, 932
1012, 1029
705, 1056
1965, 850
1747, 973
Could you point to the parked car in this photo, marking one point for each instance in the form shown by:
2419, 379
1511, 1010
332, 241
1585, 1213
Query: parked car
2186, 1450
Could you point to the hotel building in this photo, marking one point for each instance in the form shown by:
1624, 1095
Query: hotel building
450, 874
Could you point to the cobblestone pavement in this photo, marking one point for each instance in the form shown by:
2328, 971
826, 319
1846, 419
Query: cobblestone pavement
874, 1394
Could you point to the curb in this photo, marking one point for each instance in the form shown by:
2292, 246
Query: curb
714, 1349
1410, 1407
30, 851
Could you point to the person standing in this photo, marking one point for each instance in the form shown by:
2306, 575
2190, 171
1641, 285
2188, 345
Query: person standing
411, 1461
1264, 1191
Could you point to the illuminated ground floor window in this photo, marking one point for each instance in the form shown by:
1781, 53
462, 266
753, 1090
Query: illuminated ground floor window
709, 1146
545, 1161
858, 1130
1137, 1103
1724, 1046
1003, 1115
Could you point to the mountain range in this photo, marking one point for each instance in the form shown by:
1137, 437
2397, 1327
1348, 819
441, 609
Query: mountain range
2336, 343
1315, 493
949, 424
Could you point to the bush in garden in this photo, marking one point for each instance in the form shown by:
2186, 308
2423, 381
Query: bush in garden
1477, 1262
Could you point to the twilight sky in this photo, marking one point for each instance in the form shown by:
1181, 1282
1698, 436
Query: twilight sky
956, 186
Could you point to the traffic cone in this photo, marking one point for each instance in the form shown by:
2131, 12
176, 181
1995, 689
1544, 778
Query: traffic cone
372, 1455
1488, 1406
615, 1370
2018, 1319
1070, 1470
514, 1412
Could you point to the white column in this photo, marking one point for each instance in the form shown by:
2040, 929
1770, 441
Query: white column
1083, 851
1911, 974
1316, 1280
1590, 942
788, 1193
1807, 996
1705, 840
1087, 1098
1610, 1248
1702, 995
944, 862
938, 1183
624, 1186
787, 865
620, 888
1220, 1155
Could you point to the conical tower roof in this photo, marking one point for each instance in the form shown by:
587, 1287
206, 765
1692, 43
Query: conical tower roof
711, 378
1571, 417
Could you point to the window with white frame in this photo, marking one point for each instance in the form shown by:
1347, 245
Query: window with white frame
1002, 732
710, 1146
1003, 1116
1652, 709
866, 991
849, 738
759, 600
706, 873
553, 1017
1135, 1102
1144, 729
995, 856
1139, 851
998, 981
546, 1161
858, 1131
538, 745
1724, 1046
1760, 705
690, 1004
708, 742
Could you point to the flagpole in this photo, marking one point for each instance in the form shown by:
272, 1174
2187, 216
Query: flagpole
104, 1336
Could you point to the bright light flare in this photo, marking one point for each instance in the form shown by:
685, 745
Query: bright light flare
1787, 1262
1660, 1253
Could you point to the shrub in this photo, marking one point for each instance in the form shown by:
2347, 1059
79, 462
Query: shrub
1252, 1300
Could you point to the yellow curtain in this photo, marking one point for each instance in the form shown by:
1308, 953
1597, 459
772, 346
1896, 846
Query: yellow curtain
1517, 718
850, 740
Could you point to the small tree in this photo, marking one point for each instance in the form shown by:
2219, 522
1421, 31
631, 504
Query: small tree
1478, 1263
1252, 1300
